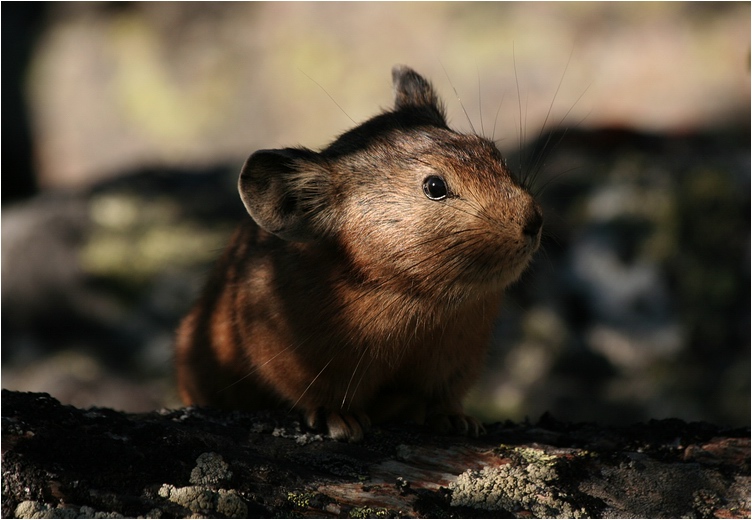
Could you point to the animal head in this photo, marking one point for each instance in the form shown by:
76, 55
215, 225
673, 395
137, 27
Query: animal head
406, 197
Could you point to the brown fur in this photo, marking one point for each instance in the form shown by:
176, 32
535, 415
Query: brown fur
351, 295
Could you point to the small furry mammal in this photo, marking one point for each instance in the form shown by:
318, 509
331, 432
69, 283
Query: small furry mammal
365, 287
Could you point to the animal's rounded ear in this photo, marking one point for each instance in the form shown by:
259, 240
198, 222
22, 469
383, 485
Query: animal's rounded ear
413, 90
283, 190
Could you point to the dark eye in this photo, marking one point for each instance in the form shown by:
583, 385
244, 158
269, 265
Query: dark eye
435, 188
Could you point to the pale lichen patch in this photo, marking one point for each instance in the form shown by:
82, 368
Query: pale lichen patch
301, 438
515, 488
210, 469
34, 509
199, 499
231, 505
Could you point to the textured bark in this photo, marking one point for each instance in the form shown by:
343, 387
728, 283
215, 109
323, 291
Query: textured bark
62, 461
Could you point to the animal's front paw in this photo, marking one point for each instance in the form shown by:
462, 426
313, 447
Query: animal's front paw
341, 426
455, 423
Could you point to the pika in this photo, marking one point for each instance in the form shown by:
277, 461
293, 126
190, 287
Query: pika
365, 285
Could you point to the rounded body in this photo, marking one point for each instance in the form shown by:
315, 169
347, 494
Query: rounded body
366, 285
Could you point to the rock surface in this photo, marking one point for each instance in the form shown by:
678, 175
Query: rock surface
64, 462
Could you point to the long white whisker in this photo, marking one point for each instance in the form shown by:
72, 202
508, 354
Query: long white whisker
496, 117
470, 121
311, 384
480, 105
330, 96
360, 379
355, 370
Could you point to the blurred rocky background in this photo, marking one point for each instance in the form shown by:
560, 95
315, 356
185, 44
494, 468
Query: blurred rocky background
125, 125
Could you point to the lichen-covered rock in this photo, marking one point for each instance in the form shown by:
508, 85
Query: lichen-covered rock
200, 499
210, 469
58, 463
34, 509
515, 488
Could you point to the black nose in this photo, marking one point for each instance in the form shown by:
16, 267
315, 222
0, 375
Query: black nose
533, 222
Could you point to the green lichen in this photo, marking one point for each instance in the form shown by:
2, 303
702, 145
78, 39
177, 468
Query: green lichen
302, 500
368, 512
514, 488
706, 502
533, 456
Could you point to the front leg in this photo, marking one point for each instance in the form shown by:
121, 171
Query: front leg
449, 420
445, 417
341, 426
445, 413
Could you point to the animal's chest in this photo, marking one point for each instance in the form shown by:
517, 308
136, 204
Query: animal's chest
455, 347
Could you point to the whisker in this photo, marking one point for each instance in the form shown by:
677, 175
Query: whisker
532, 164
355, 370
520, 136
480, 105
537, 164
496, 117
330, 96
360, 380
458, 98
311, 384
539, 190
257, 367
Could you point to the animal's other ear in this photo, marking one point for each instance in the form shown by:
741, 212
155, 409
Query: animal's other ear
283, 190
413, 90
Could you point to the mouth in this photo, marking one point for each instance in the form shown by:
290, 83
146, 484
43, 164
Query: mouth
533, 242
499, 271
